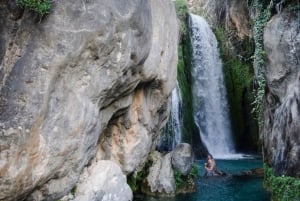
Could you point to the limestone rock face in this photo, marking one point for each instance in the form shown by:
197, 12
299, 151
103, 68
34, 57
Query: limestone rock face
92, 78
108, 184
183, 158
161, 176
128, 137
233, 15
281, 141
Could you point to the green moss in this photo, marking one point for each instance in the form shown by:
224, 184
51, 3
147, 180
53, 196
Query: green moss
282, 188
190, 130
182, 14
42, 7
73, 190
260, 21
185, 183
238, 72
137, 179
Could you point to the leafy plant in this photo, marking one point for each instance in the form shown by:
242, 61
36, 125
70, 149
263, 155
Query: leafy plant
73, 190
42, 7
136, 179
282, 188
182, 180
179, 178
194, 172
260, 21
182, 14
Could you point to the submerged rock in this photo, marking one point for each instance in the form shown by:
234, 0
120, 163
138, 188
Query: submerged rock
256, 172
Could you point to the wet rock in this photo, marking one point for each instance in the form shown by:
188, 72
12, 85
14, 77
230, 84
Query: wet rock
161, 180
183, 158
256, 172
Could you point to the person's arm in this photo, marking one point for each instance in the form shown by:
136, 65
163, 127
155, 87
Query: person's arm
213, 165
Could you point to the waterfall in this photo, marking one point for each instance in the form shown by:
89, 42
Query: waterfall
209, 92
171, 135
176, 115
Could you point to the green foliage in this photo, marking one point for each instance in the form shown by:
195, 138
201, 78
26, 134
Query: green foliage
238, 73
184, 72
262, 16
282, 188
73, 190
179, 179
136, 180
182, 180
42, 7
194, 172
182, 12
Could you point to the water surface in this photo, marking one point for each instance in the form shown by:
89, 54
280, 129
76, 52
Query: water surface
229, 188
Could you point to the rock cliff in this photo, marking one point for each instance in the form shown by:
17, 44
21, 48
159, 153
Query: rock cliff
280, 134
88, 83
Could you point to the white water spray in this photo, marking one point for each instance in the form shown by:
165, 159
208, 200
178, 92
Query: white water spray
209, 92
176, 115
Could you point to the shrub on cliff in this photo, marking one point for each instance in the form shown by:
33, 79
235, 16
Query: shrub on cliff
42, 7
282, 188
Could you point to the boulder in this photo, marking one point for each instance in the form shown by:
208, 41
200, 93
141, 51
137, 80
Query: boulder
160, 179
109, 184
183, 158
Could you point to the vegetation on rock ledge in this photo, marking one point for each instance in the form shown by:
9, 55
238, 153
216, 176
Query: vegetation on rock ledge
238, 73
42, 7
137, 179
186, 183
260, 20
282, 188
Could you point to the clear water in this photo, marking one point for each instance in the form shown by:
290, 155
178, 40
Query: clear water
229, 188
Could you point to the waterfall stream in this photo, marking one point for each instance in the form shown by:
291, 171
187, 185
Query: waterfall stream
209, 92
171, 135
176, 115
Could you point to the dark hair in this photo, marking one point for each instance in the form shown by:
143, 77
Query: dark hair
210, 156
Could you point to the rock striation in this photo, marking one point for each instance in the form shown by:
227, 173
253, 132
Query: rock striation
79, 87
280, 135
160, 180
108, 184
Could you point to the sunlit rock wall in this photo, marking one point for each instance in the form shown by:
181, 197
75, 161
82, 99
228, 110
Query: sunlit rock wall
92, 78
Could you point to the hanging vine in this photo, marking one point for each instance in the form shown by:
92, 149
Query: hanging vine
260, 20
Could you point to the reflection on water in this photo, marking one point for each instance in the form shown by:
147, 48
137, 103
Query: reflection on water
230, 188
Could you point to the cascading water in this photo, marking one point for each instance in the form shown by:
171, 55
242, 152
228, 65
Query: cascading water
172, 132
209, 93
176, 115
